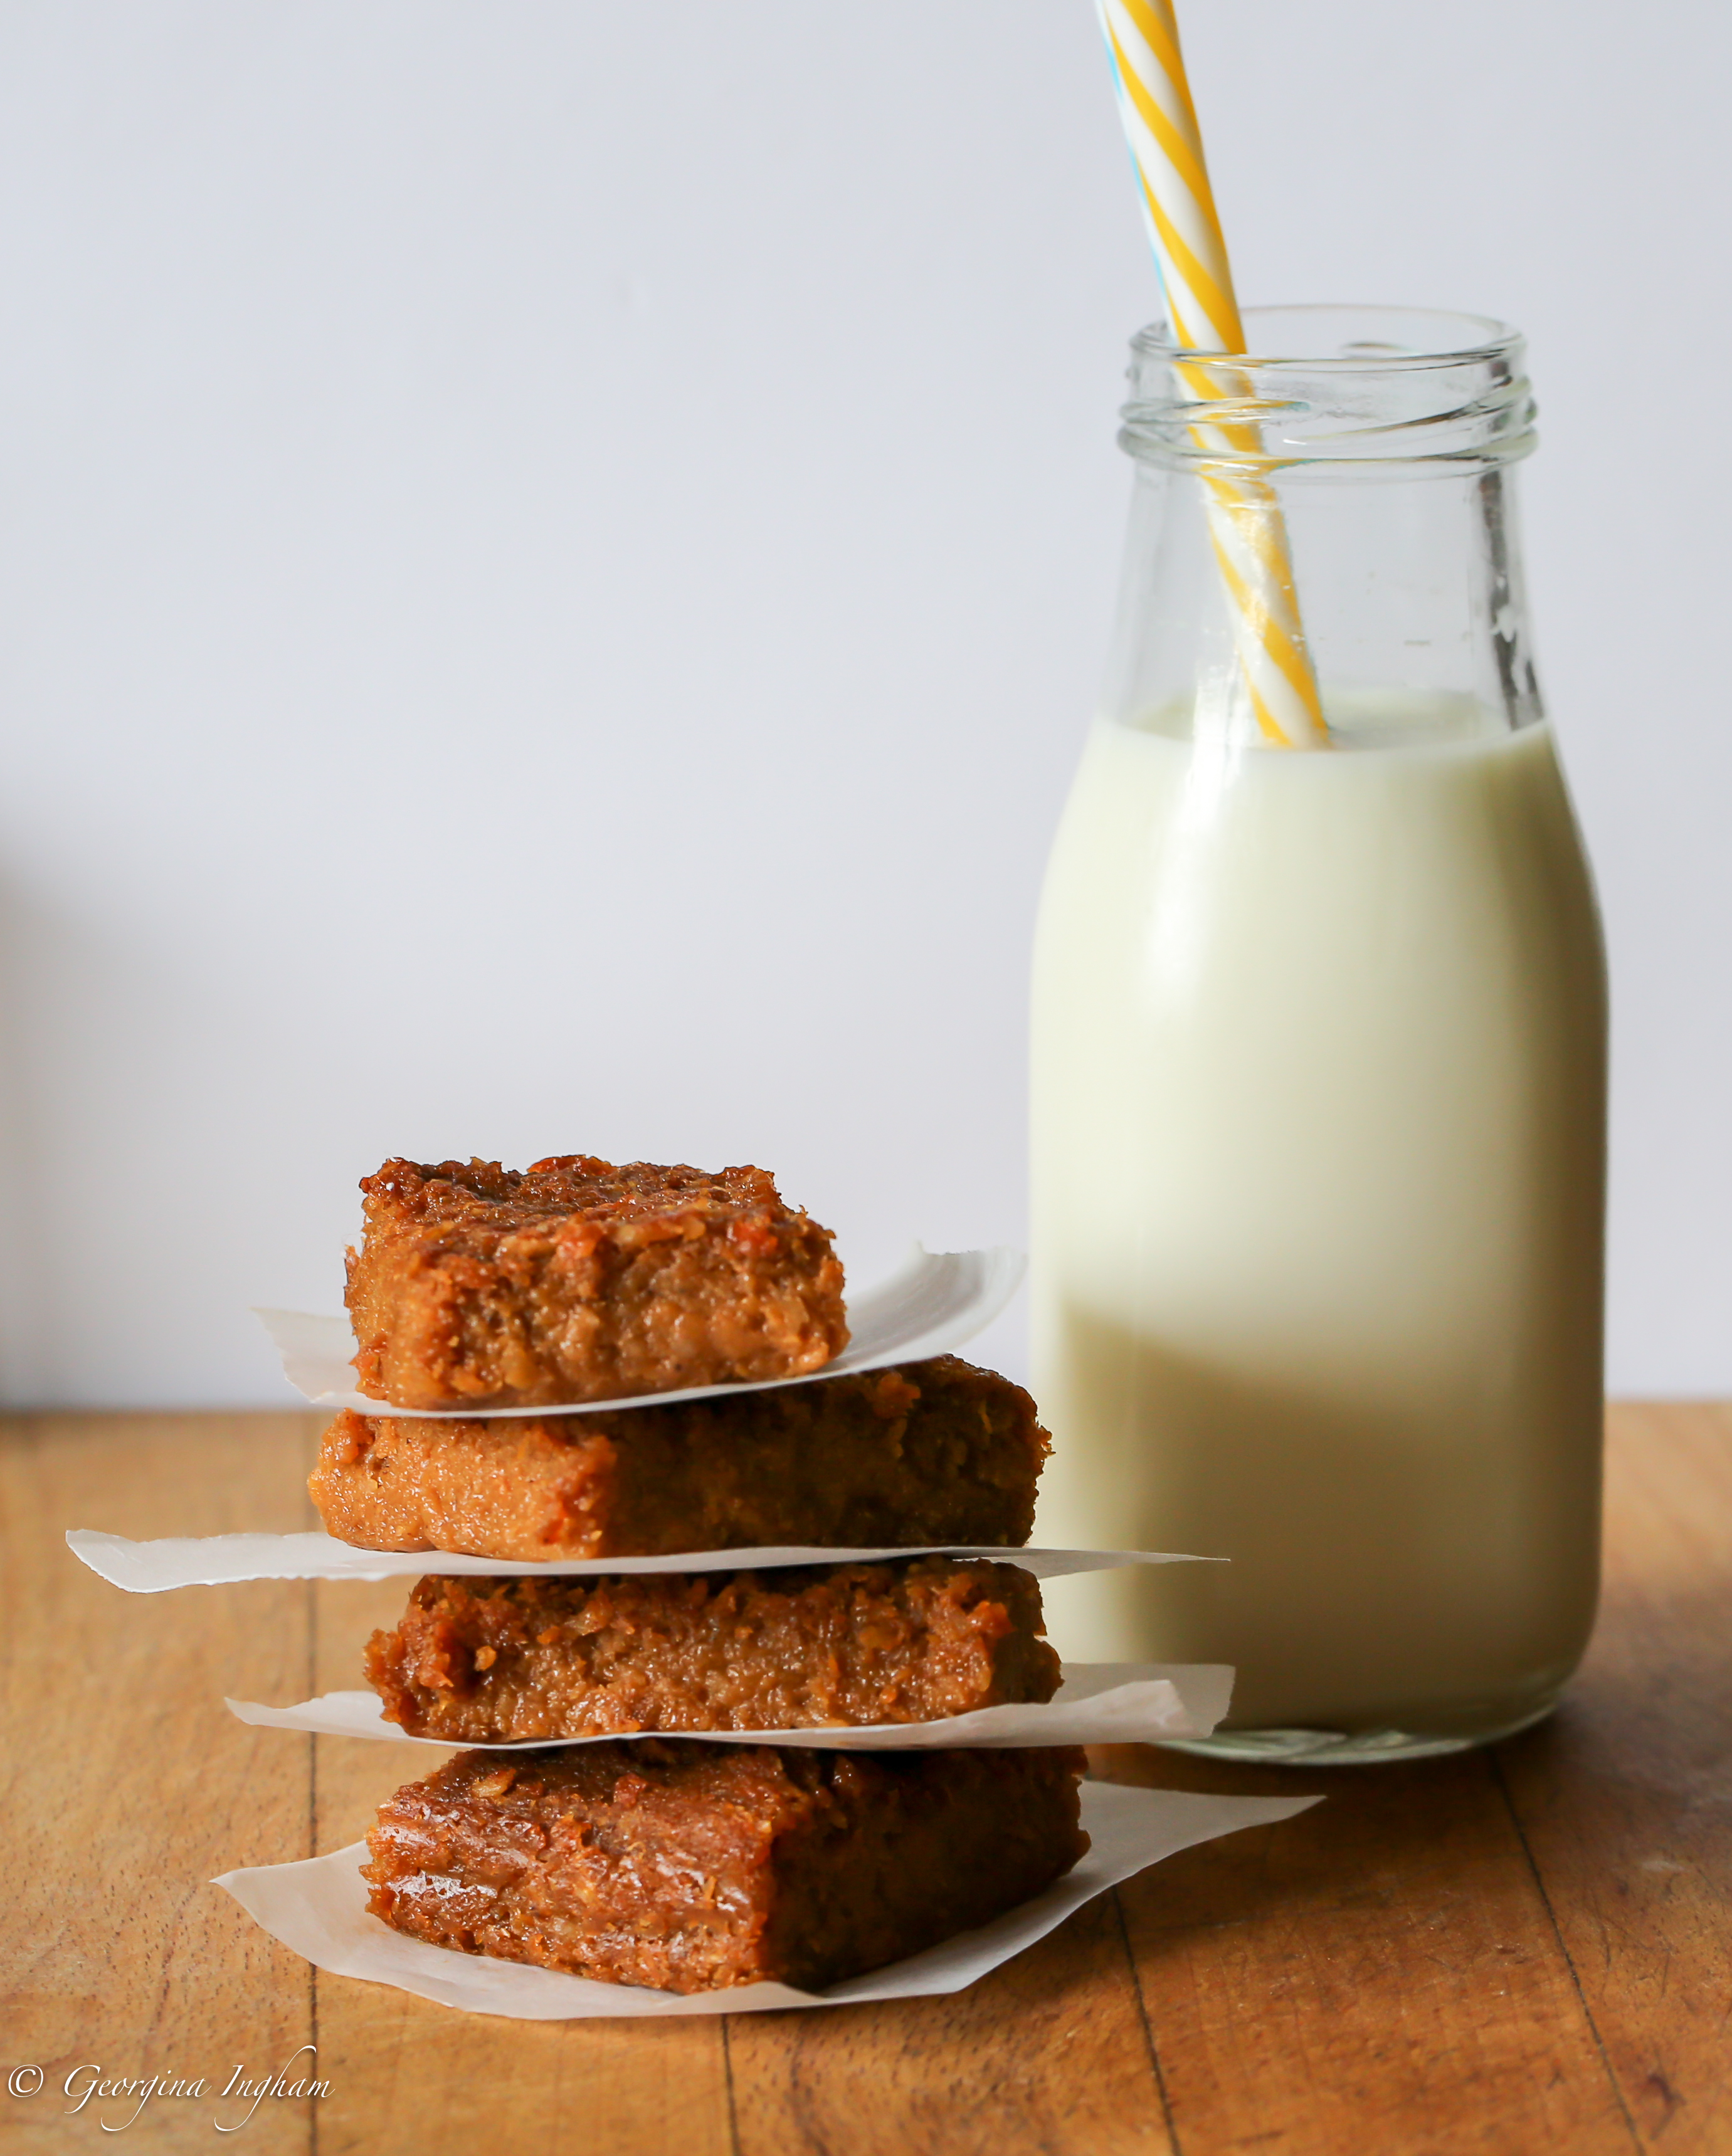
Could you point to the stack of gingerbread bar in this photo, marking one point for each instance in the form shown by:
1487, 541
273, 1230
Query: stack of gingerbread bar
651, 1858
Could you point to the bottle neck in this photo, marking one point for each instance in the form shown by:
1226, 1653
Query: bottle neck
1387, 475
1382, 389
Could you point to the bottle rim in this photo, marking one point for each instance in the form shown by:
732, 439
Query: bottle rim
1335, 387
1469, 337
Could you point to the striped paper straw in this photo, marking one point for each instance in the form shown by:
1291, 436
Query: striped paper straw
1245, 520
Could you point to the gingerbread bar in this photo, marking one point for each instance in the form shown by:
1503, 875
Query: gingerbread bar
490, 1661
934, 1452
689, 1867
480, 1286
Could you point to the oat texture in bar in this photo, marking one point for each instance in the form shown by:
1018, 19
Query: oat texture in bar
488, 1662
691, 1867
478, 1285
929, 1452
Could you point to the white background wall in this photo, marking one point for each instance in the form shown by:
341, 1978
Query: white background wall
554, 556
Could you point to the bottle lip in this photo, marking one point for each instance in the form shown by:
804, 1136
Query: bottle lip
1354, 340
1335, 389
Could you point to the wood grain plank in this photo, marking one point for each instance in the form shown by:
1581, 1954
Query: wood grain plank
407, 2074
128, 1787
1389, 1973
1379, 1974
1625, 1797
1047, 2053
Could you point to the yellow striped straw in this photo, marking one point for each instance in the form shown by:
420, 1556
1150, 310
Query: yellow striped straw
1245, 520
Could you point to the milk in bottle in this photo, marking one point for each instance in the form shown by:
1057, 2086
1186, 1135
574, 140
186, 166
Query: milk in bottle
1319, 1089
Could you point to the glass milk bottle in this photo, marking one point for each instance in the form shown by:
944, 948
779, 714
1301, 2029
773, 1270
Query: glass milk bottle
1319, 1076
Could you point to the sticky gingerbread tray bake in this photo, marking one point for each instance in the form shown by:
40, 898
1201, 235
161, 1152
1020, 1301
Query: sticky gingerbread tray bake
690, 1867
930, 1452
478, 1285
479, 1661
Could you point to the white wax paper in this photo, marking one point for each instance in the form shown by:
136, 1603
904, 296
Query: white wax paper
318, 1908
1097, 1703
152, 1567
934, 1302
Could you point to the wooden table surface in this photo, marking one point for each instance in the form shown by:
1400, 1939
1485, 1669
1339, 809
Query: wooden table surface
1522, 1949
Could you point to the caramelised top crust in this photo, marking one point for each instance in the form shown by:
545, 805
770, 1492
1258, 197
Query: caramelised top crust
480, 1285
637, 1202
